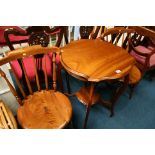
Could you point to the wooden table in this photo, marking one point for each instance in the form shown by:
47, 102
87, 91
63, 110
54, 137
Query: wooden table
94, 61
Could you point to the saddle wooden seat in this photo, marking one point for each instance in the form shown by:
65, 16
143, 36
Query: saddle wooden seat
45, 107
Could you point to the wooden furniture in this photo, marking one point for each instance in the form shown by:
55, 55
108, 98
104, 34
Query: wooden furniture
90, 32
143, 49
86, 32
46, 107
7, 120
13, 39
37, 35
94, 61
120, 36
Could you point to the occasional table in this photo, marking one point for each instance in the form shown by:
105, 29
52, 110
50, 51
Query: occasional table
95, 61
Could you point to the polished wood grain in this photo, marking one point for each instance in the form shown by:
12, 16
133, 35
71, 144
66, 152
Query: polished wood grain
96, 60
45, 109
42, 108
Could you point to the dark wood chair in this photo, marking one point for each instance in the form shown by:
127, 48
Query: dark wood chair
13, 39
37, 35
143, 49
121, 36
46, 107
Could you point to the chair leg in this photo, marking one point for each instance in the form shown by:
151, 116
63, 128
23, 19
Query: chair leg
152, 76
87, 114
68, 83
132, 88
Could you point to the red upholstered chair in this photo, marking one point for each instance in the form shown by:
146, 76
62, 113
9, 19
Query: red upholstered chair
144, 51
13, 39
37, 35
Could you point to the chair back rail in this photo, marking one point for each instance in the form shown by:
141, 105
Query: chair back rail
118, 36
26, 52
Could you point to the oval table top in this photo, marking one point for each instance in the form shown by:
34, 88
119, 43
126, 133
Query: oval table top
96, 60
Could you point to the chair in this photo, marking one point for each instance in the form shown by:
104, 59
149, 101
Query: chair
46, 107
143, 49
120, 36
13, 39
37, 35
7, 120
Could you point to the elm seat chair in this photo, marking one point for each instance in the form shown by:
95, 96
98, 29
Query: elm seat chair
120, 36
44, 108
37, 35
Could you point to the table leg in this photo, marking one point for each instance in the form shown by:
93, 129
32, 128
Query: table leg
89, 104
110, 104
118, 93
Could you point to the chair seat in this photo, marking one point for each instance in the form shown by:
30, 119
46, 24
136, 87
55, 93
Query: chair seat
28, 62
45, 109
134, 75
141, 59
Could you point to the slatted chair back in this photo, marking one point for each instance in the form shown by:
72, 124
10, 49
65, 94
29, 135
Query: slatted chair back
22, 53
89, 32
118, 36
38, 35
125, 38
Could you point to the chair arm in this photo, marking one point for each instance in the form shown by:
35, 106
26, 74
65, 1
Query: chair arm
138, 51
15, 32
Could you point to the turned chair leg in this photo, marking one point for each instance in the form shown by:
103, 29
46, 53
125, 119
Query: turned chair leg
59, 77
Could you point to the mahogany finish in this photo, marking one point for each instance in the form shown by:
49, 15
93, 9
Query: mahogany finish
44, 108
94, 61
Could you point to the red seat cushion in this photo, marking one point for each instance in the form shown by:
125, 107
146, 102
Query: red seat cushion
141, 59
12, 37
29, 66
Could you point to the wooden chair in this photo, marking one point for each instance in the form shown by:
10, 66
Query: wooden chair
37, 35
45, 107
120, 36
143, 49
7, 120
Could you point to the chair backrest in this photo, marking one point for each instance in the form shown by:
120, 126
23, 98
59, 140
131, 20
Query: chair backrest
22, 53
118, 36
38, 35
87, 32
